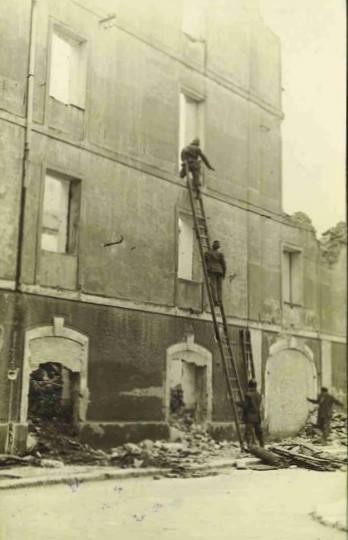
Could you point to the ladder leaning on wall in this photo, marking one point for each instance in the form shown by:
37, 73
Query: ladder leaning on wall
234, 387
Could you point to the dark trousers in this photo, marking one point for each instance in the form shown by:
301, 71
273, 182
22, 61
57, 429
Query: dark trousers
195, 170
324, 424
253, 430
215, 281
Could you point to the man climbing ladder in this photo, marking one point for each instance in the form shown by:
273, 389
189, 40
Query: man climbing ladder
191, 157
191, 169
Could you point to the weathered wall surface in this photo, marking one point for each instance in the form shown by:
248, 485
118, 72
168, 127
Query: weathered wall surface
11, 153
127, 355
333, 291
123, 146
339, 370
6, 310
14, 42
133, 121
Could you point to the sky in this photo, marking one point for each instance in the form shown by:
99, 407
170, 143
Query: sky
312, 34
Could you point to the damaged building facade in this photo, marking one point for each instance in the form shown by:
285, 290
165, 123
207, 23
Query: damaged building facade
96, 100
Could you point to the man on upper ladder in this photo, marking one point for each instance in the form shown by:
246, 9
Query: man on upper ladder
191, 157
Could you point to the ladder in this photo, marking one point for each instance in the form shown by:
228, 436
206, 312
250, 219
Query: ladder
247, 353
234, 387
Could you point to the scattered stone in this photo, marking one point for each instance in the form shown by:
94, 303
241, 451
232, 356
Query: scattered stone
147, 444
176, 434
240, 464
32, 442
51, 463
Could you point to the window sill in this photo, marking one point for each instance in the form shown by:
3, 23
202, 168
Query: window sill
68, 104
60, 253
190, 281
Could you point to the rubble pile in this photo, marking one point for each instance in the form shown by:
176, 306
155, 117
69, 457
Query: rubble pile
338, 429
54, 444
180, 458
59, 441
306, 449
307, 456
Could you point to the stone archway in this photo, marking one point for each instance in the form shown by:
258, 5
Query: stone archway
61, 345
290, 378
198, 370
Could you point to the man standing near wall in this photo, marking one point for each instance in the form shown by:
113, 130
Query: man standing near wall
252, 415
326, 403
216, 266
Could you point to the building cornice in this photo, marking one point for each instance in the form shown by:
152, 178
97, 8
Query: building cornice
170, 311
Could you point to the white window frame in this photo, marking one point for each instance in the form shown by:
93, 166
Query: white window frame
74, 91
62, 227
185, 246
292, 291
186, 135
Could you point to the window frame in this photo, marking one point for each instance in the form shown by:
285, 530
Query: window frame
200, 100
295, 275
197, 272
187, 216
73, 211
64, 31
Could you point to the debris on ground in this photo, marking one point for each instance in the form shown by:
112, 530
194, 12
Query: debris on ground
267, 457
58, 440
304, 456
54, 442
9, 460
338, 433
307, 449
180, 458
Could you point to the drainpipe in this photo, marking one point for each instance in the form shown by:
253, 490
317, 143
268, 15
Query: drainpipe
17, 311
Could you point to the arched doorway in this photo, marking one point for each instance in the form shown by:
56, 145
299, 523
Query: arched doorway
49, 347
190, 366
290, 378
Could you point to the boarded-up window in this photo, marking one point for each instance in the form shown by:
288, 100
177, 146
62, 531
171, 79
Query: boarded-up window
190, 121
292, 277
185, 247
68, 70
60, 214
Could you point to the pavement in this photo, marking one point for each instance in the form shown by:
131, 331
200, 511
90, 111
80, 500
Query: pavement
241, 504
26, 476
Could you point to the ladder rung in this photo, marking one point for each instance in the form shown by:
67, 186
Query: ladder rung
225, 340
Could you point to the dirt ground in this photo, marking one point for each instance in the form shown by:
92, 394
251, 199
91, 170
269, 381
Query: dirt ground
241, 504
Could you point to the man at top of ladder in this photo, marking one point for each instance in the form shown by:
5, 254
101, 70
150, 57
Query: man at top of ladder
191, 157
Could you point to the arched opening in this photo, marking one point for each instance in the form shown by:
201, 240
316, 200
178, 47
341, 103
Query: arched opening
290, 378
54, 382
188, 383
53, 394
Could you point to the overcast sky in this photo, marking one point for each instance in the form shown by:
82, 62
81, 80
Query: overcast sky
312, 34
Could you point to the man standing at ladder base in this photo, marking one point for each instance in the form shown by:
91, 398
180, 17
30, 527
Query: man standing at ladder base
252, 414
191, 157
216, 267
